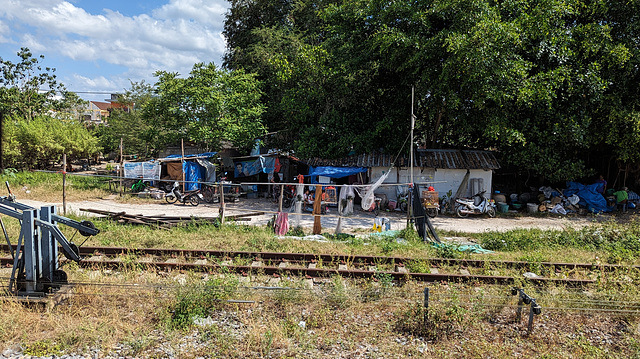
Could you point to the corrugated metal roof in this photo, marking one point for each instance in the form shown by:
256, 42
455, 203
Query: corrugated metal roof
442, 159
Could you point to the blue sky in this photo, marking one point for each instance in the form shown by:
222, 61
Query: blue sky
100, 46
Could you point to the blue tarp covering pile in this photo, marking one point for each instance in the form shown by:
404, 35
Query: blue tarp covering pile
335, 172
589, 198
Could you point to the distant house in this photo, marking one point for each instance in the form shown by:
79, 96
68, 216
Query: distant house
97, 111
445, 170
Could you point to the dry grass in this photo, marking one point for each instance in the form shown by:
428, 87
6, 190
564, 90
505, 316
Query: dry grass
337, 318
342, 318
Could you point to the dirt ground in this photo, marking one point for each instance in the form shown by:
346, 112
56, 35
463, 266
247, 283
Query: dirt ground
359, 222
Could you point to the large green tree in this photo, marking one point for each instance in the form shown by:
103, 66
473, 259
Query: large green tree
325, 91
545, 83
208, 107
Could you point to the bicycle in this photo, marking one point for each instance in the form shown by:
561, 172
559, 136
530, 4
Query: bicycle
209, 193
140, 186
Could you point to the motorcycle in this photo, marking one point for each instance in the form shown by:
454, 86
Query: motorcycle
193, 197
466, 206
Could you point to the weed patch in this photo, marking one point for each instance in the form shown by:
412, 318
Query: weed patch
199, 299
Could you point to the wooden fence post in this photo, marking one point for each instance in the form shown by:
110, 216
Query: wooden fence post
64, 184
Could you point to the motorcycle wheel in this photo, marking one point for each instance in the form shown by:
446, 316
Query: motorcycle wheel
491, 212
460, 213
403, 206
171, 198
286, 202
194, 201
432, 212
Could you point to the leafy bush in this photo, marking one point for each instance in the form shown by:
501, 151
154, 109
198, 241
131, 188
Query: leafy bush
38, 142
198, 300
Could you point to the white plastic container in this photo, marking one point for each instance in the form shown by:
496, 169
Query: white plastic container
532, 207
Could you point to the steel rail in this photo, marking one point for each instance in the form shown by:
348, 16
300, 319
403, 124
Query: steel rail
309, 258
324, 272
327, 272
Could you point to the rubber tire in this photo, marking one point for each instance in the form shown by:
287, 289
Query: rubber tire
403, 206
460, 213
171, 198
194, 200
286, 202
491, 212
432, 212
207, 195
445, 207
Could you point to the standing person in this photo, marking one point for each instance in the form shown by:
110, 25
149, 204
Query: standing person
275, 186
602, 185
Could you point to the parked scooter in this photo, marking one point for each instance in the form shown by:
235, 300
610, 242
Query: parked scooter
192, 197
466, 206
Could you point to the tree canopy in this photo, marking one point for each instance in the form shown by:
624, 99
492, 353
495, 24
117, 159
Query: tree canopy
544, 83
208, 107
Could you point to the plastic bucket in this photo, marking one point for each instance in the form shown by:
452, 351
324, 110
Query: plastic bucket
503, 207
532, 207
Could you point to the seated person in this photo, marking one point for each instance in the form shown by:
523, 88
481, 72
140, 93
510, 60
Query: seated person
621, 196
307, 200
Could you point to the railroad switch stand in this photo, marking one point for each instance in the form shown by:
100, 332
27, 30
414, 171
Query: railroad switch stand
36, 270
524, 299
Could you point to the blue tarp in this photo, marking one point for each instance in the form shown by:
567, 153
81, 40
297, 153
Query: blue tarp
589, 197
193, 172
250, 168
335, 172
201, 155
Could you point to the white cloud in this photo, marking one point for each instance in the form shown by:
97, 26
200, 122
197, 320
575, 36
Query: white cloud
202, 11
98, 83
172, 37
4, 32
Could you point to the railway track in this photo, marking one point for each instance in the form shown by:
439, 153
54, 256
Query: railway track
324, 265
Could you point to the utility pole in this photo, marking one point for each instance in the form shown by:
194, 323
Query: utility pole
413, 123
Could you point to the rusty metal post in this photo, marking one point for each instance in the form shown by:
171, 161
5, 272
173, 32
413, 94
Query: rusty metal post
426, 305
530, 325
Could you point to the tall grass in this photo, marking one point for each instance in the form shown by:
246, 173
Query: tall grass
619, 241
45, 186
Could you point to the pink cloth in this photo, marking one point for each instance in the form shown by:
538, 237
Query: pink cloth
282, 223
